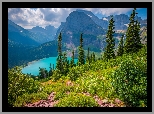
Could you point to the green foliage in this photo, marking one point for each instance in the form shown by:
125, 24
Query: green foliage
30, 98
96, 83
77, 100
130, 81
51, 70
81, 52
19, 83
109, 50
120, 47
65, 64
62, 91
43, 73
59, 59
74, 73
133, 43
56, 75
72, 60
93, 57
88, 58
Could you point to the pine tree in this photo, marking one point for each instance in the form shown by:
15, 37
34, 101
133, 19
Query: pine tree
109, 50
50, 71
93, 57
65, 64
137, 36
133, 42
59, 58
81, 52
87, 59
43, 73
53, 67
72, 60
120, 47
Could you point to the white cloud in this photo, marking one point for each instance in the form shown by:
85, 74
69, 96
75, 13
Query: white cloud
30, 17
113, 11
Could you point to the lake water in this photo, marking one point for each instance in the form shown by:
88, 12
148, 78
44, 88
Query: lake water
33, 67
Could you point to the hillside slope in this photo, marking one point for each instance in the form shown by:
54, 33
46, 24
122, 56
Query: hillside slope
120, 82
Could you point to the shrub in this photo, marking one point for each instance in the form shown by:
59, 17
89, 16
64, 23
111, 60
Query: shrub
30, 98
74, 73
77, 100
130, 81
19, 83
56, 75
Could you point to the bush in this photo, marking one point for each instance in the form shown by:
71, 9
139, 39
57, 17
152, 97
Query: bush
77, 100
56, 75
18, 84
130, 81
30, 98
74, 73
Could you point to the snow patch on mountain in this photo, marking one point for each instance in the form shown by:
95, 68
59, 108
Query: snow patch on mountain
89, 15
105, 19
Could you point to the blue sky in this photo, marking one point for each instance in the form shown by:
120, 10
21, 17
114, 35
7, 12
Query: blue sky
31, 17
142, 12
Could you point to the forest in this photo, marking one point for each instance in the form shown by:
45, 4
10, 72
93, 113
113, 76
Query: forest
117, 78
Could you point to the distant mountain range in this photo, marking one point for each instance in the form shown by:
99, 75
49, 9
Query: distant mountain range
45, 35
19, 35
25, 45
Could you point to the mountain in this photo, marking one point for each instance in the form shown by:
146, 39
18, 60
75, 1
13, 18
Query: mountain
45, 35
102, 23
122, 20
143, 35
19, 35
76, 23
19, 40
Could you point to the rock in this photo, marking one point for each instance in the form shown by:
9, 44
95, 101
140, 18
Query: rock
111, 105
118, 101
99, 102
105, 101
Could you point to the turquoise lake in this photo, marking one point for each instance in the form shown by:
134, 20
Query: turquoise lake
33, 67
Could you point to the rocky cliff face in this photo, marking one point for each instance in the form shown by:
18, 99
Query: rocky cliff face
76, 23
143, 35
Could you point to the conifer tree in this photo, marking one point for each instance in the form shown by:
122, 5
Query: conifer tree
137, 36
65, 64
87, 59
72, 59
59, 58
81, 52
43, 73
133, 42
50, 71
53, 67
109, 50
120, 47
93, 57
